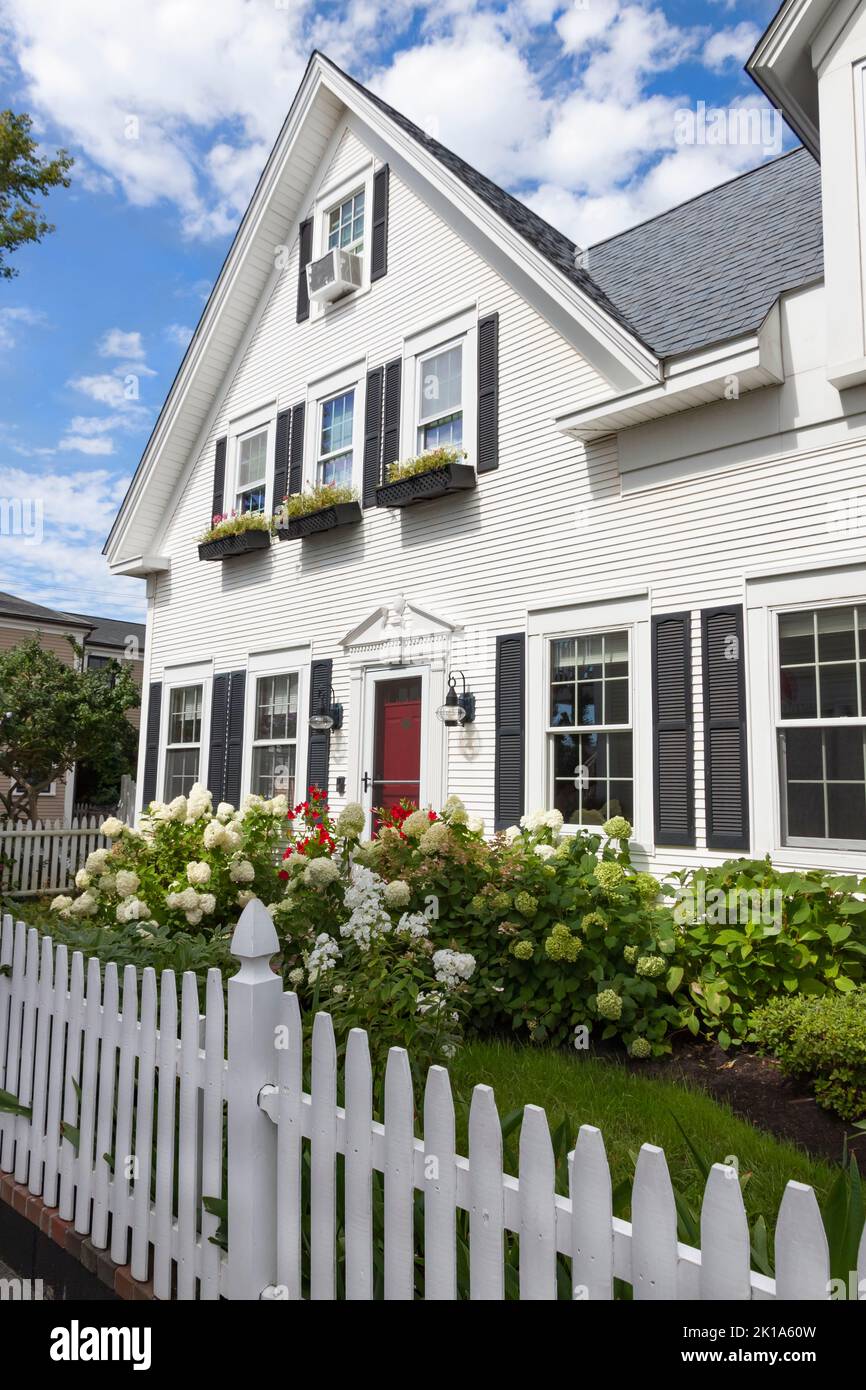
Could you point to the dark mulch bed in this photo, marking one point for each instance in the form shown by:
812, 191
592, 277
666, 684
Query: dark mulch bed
755, 1089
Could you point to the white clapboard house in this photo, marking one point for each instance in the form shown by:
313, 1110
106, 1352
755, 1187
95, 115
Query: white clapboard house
648, 575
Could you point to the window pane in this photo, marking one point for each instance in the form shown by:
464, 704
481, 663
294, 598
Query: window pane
803, 754
252, 459
566, 800
590, 703
838, 691
836, 634
620, 800
562, 660
616, 654
619, 755
184, 721
796, 638
846, 810
562, 705
274, 770
181, 771
589, 657
566, 755
336, 471
806, 810
441, 384
277, 707
843, 754
337, 423
799, 696
443, 434
252, 501
346, 223
616, 702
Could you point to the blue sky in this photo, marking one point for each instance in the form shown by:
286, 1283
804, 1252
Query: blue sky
170, 109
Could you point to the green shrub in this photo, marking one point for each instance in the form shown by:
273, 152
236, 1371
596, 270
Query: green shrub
747, 932
823, 1040
316, 500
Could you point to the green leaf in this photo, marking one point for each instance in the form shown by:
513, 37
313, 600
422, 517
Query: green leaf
10, 1105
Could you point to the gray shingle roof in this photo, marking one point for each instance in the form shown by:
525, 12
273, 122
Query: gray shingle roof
710, 269
112, 632
11, 606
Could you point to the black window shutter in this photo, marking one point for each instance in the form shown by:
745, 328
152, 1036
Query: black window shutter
319, 747
281, 458
379, 236
296, 449
391, 424
488, 394
227, 736
219, 478
725, 747
373, 435
510, 728
151, 743
305, 252
673, 730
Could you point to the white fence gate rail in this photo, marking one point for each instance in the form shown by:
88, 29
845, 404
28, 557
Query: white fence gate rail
43, 857
117, 1082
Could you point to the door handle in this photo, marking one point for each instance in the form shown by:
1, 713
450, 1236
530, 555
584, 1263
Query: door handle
366, 782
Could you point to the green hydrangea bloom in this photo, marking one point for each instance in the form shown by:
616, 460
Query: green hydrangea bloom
651, 966
630, 954
526, 905
500, 902
647, 886
640, 1047
479, 903
561, 945
617, 828
523, 950
609, 875
593, 919
609, 1004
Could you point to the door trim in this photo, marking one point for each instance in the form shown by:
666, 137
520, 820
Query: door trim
374, 676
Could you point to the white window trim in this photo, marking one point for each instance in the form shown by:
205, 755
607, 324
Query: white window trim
200, 673
767, 597
264, 418
327, 199
422, 415
461, 328
349, 378
289, 661
622, 613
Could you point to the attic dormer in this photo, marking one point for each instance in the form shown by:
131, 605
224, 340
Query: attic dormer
811, 62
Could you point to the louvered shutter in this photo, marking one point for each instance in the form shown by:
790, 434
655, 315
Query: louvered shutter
488, 394
379, 231
226, 736
673, 730
510, 729
319, 746
281, 458
219, 479
373, 435
305, 252
391, 415
151, 743
725, 746
296, 449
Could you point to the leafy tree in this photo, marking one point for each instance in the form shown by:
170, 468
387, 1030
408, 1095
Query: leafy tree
23, 175
53, 715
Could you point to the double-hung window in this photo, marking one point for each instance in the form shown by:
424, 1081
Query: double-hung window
252, 468
822, 725
346, 224
440, 399
183, 741
334, 462
275, 735
589, 730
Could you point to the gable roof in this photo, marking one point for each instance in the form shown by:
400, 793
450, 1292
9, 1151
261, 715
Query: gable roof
711, 269
111, 632
21, 608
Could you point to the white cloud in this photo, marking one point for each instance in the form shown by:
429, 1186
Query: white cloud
730, 47
104, 388
11, 318
179, 334
87, 444
117, 343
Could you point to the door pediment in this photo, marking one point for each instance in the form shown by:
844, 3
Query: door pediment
399, 630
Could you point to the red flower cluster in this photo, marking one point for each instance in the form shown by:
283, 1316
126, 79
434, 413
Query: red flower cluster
314, 812
394, 816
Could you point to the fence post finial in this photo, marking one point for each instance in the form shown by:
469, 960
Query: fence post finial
254, 942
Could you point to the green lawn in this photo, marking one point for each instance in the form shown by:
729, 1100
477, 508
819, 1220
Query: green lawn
632, 1110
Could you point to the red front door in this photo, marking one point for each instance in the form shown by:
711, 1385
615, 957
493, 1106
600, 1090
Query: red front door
397, 743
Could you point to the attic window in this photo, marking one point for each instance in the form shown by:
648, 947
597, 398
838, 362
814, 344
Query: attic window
346, 224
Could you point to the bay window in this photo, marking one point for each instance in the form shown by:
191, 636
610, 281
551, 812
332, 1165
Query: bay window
275, 733
183, 740
822, 725
589, 727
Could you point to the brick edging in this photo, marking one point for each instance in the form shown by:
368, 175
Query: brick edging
116, 1277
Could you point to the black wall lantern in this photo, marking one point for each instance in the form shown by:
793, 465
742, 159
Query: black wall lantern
327, 716
457, 709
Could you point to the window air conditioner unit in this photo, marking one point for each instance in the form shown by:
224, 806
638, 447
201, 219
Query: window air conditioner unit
333, 275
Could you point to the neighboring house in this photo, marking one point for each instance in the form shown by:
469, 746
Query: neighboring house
101, 638
656, 587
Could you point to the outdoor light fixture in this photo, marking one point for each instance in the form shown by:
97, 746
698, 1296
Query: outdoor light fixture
327, 716
457, 709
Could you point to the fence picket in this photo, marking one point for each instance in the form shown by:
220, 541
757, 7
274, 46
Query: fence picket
40, 1066
105, 1108
212, 1129
323, 1160
71, 1075
726, 1257
39, 857
359, 1167
591, 1218
87, 1122
399, 1177
165, 1130
7, 937
187, 1166
487, 1203
23, 1125
440, 1189
13, 1044
289, 1147
802, 1254
537, 1177
51, 1170
144, 1126
654, 1228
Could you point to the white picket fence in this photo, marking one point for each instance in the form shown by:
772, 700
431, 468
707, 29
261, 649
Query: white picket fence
43, 856
126, 1130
